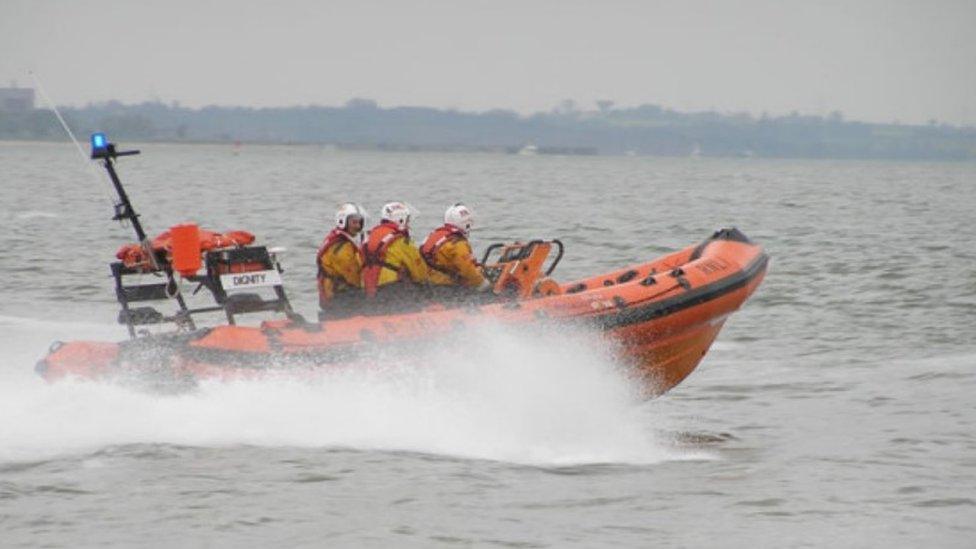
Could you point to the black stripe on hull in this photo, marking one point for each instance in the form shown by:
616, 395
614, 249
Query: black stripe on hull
697, 296
179, 346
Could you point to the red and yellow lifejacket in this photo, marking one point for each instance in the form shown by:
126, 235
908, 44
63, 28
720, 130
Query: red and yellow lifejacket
374, 255
435, 240
335, 238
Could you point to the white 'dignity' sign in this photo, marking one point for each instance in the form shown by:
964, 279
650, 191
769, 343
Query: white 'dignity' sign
253, 279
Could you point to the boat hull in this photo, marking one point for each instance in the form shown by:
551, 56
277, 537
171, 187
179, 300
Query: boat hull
663, 315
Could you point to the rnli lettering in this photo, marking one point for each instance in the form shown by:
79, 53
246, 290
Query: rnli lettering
709, 266
256, 279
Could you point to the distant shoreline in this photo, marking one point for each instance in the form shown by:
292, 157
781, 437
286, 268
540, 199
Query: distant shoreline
647, 130
231, 145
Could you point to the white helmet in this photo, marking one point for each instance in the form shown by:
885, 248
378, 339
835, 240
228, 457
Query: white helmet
346, 211
397, 212
460, 216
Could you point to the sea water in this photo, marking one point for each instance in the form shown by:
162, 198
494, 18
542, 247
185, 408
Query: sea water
836, 408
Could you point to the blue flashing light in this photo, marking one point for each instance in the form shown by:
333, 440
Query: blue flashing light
99, 142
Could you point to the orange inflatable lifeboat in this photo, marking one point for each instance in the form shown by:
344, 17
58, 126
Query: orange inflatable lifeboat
663, 314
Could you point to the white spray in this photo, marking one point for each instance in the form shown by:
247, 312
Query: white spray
546, 396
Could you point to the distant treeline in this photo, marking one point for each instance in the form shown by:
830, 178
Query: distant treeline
644, 130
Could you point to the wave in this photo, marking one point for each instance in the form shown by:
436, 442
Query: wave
548, 396
35, 214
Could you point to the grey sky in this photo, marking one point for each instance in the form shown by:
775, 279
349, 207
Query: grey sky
873, 60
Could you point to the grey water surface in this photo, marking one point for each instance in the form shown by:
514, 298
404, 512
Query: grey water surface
837, 408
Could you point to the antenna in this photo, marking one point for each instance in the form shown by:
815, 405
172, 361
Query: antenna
81, 152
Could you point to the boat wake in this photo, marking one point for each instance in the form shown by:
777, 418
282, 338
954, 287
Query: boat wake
546, 396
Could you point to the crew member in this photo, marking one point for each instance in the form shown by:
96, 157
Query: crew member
448, 253
394, 274
340, 262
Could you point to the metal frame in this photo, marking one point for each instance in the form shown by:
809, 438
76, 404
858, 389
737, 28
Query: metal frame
216, 261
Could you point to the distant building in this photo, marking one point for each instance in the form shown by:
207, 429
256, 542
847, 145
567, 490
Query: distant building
14, 99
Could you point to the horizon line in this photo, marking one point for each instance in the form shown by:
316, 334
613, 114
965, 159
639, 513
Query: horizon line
796, 113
